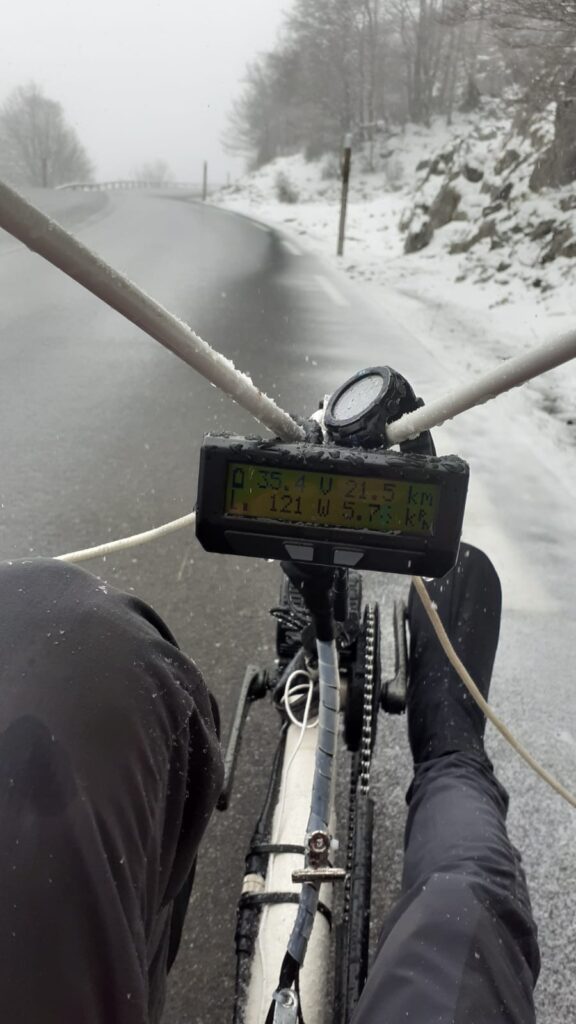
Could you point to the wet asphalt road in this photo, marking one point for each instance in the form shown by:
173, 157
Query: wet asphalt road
100, 433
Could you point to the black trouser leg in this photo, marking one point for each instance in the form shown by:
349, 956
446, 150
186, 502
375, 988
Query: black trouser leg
109, 771
461, 945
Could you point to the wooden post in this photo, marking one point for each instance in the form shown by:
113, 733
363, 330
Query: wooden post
205, 182
346, 165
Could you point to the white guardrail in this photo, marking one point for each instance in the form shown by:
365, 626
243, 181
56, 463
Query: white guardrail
128, 184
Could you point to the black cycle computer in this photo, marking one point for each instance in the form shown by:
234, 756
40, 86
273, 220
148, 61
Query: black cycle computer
329, 505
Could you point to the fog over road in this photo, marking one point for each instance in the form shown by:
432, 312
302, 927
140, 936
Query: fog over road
101, 429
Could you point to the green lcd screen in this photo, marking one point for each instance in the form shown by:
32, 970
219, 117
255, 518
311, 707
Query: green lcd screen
331, 500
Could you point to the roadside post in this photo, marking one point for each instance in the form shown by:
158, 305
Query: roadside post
346, 164
205, 181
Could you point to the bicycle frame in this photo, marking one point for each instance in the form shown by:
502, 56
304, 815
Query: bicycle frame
278, 974
267, 908
277, 920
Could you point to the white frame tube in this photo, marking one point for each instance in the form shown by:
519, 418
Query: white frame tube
277, 920
510, 374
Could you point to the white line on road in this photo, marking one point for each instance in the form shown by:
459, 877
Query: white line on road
184, 563
261, 227
329, 289
291, 248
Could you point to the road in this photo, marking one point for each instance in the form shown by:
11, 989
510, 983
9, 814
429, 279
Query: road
101, 430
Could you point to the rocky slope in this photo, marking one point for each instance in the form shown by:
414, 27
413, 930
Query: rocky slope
475, 197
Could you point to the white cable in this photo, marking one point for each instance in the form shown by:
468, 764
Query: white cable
511, 374
44, 236
303, 725
473, 690
290, 691
129, 542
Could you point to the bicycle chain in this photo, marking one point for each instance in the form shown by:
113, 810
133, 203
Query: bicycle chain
360, 773
368, 700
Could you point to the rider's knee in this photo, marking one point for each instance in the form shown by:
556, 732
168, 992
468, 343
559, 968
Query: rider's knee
85, 667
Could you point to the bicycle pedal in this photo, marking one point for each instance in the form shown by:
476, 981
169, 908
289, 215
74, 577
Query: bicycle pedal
394, 691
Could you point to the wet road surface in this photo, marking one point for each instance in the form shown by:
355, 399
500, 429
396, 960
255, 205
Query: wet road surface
101, 429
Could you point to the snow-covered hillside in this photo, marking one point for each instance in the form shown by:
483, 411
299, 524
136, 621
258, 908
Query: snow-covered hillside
443, 222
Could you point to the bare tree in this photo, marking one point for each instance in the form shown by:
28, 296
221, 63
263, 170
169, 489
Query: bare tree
38, 146
322, 81
270, 115
428, 43
155, 172
358, 65
539, 39
327, 34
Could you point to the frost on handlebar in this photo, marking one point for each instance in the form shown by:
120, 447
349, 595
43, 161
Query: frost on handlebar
511, 374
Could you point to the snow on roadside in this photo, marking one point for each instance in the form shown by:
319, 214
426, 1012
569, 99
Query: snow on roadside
462, 306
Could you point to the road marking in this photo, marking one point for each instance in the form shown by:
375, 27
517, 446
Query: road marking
184, 564
261, 227
330, 290
291, 248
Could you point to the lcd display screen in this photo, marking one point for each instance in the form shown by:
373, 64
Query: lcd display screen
331, 500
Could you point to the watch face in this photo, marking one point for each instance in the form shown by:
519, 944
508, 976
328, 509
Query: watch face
357, 398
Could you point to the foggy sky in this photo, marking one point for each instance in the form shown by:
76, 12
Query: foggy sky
140, 79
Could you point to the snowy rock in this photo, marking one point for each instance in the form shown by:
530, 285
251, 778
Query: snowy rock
563, 244
420, 234
511, 158
487, 173
568, 203
486, 230
444, 207
473, 174
543, 229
